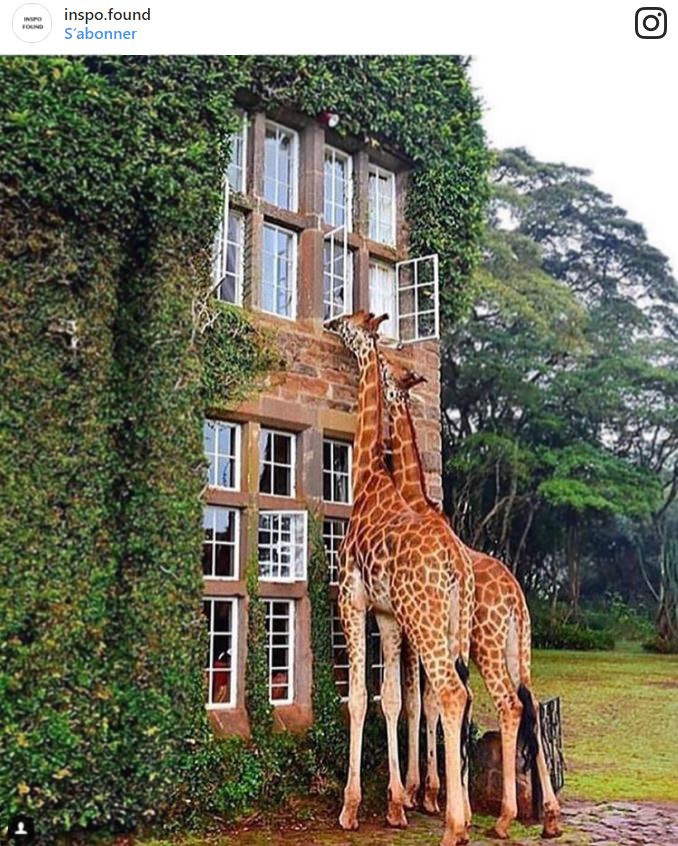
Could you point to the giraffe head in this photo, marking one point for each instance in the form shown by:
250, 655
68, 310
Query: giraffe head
398, 381
357, 331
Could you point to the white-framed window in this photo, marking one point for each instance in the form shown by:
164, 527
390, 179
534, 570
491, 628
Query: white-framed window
220, 546
236, 173
418, 298
336, 471
277, 459
382, 205
338, 190
281, 166
375, 658
340, 663
228, 262
337, 277
279, 271
282, 546
222, 656
383, 297
221, 441
334, 531
280, 642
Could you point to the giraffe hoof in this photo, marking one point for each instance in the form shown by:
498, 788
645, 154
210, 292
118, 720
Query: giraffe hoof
552, 827
396, 816
411, 795
452, 839
431, 805
551, 832
499, 832
348, 820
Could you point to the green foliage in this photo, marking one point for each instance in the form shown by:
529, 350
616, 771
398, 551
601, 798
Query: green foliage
560, 392
556, 635
112, 348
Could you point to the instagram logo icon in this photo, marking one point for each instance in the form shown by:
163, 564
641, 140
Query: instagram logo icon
651, 22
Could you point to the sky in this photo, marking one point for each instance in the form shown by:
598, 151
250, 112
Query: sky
612, 111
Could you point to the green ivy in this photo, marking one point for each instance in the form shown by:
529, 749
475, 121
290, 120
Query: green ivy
110, 174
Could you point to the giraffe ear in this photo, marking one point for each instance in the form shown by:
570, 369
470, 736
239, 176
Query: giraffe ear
411, 379
375, 322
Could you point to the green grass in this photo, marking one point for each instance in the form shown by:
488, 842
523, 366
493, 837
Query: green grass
620, 712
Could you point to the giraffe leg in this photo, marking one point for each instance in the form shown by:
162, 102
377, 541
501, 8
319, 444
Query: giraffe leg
510, 710
432, 784
550, 804
451, 696
352, 615
391, 702
413, 712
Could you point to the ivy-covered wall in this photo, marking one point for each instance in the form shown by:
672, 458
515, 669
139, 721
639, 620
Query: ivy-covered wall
110, 172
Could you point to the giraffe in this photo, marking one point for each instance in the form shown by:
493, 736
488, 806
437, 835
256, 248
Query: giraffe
418, 580
500, 638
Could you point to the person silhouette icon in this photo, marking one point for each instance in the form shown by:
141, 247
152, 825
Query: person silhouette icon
21, 829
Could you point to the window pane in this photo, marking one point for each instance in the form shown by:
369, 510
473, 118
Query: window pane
207, 551
282, 453
225, 472
224, 565
382, 297
265, 479
281, 481
266, 445
227, 289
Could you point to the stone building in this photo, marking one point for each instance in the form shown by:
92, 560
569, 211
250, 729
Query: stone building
315, 226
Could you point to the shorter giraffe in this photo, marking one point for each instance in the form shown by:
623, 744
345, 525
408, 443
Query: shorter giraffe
500, 638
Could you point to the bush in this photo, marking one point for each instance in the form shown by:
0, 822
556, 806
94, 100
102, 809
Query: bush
556, 635
661, 645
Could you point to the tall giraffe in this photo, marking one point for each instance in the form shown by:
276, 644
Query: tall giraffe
419, 581
500, 638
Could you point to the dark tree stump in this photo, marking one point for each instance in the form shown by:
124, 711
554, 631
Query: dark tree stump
486, 780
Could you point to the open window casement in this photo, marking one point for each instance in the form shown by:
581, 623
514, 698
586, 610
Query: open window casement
337, 274
220, 250
417, 299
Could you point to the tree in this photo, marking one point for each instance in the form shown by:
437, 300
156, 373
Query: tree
559, 389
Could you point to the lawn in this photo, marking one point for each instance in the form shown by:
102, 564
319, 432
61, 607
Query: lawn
620, 718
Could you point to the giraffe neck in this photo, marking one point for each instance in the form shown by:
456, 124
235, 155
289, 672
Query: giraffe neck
408, 472
368, 448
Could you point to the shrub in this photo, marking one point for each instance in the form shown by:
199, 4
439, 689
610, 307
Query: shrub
557, 635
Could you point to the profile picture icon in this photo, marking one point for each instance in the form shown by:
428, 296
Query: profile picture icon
651, 22
21, 829
32, 23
